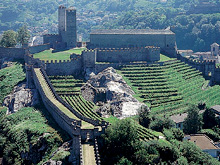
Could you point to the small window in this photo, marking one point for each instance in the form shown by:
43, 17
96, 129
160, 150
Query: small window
213, 49
167, 45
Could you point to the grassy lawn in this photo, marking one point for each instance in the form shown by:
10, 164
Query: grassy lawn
64, 55
165, 58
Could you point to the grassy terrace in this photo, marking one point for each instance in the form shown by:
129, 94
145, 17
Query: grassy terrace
63, 55
52, 98
69, 89
170, 88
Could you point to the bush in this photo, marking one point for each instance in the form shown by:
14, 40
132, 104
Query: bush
160, 123
211, 134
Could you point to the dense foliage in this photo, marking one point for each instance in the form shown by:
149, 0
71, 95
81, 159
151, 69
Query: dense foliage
9, 77
9, 39
26, 138
121, 145
194, 31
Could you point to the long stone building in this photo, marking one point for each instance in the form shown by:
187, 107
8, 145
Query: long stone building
128, 38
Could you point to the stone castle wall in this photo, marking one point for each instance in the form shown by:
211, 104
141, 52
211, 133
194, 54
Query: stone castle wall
52, 39
206, 67
166, 42
71, 126
68, 67
39, 48
16, 53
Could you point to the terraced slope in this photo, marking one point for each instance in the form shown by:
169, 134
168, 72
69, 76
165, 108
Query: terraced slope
69, 89
46, 89
170, 87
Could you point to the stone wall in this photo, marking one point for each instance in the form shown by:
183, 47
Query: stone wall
52, 39
38, 48
71, 126
16, 53
167, 42
69, 67
206, 67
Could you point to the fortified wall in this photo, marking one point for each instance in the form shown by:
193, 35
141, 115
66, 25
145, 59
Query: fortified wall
131, 38
96, 57
19, 53
206, 67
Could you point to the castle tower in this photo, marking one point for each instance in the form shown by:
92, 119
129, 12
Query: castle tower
70, 35
61, 19
215, 49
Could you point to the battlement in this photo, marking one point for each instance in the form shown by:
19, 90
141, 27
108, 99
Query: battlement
62, 7
71, 9
51, 35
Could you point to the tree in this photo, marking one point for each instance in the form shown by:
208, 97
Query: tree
9, 39
121, 140
159, 123
193, 122
209, 119
144, 116
23, 35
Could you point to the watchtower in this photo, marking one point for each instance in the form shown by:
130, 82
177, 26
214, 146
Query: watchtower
67, 26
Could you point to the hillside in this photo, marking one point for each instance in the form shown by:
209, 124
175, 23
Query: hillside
169, 88
194, 31
29, 135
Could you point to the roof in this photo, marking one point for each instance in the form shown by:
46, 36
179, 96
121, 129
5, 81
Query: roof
185, 51
215, 44
179, 118
203, 142
131, 31
216, 108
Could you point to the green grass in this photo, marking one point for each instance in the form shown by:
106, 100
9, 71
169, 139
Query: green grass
22, 130
9, 77
165, 58
63, 55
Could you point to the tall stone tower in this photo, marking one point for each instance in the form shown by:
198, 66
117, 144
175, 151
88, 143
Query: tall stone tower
67, 26
71, 37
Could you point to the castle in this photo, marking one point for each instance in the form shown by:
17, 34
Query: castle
67, 36
131, 39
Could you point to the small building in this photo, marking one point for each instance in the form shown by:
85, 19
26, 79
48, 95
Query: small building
185, 53
205, 144
179, 119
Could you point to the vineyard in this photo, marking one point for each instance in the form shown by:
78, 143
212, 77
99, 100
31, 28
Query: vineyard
69, 90
169, 88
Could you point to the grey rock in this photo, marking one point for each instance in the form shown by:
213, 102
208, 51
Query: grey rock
112, 91
21, 97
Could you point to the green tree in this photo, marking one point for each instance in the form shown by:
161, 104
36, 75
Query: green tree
23, 35
193, 123
121, 140
159, 123
9, 39
144, 116
124, 161
209, 119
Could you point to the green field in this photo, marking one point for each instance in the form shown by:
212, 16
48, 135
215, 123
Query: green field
169, 89
63, 55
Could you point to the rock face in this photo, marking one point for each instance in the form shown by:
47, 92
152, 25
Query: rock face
110, 90
21, 97
6, 62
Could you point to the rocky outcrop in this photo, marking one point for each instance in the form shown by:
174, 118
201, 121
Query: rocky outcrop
6, 62
21, 97
109, 90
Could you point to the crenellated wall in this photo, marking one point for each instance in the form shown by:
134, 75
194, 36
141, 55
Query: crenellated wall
66, 67
206, 67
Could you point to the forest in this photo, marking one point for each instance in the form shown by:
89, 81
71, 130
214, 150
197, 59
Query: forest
195, 31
